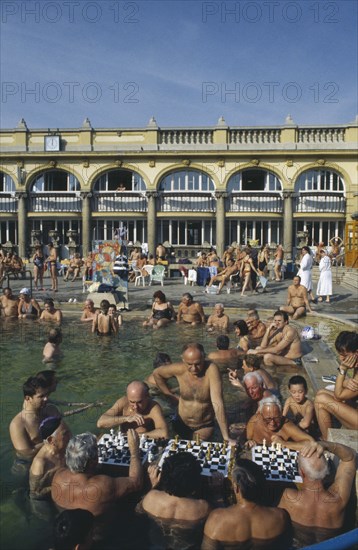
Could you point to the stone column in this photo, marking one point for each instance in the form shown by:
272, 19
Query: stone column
220, 221
86, 222
151, 221
22, 224
287, 224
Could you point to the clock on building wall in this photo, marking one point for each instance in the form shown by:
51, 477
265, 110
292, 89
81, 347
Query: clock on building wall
52, 143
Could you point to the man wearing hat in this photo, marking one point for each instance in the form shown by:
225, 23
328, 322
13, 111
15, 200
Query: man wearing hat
28, 308
55, 435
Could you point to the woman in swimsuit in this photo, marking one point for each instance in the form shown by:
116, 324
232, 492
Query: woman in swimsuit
162, 311
246, 267
28, 308
39, 267
263, 259
52, 259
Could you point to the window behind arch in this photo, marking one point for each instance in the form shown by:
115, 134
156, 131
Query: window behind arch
254, 180
187, 180
55, 180
320, 180
7, 184
114, 180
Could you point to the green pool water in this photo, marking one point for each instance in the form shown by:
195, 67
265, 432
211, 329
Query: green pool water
93, 368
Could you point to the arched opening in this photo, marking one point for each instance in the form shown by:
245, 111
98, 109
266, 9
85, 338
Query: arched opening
119, 180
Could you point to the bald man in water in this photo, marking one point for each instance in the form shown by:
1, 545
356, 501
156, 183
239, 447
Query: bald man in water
136, 410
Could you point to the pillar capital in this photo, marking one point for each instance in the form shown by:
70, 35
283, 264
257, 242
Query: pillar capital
221, 194
287, 194
20, 195
152, 194
85, 195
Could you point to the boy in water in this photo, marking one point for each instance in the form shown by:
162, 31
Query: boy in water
104, 323
298, 407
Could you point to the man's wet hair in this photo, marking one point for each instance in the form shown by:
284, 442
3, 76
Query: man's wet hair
188, 295
161, 359
104, 306
250, 479
81, 449
54, 335
347, 341
282, 314
181, 475
253, 361
33, 385
71, 528
49, 426
222, 342
49, 302
298, 379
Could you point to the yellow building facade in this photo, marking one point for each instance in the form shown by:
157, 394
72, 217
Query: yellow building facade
187, 187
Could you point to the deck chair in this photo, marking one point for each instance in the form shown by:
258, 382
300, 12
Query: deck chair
157, 274
139, 277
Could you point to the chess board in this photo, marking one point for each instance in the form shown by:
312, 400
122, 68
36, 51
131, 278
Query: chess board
113, 449
213, 457
278, 464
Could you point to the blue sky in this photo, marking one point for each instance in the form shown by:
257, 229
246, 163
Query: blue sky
185, 62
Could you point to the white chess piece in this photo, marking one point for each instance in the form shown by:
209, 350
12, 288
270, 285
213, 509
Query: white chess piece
142, 440
264, 445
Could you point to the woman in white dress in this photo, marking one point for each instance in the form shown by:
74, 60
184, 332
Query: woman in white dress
305, 271
324, 287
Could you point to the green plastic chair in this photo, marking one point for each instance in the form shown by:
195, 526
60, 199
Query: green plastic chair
157, 274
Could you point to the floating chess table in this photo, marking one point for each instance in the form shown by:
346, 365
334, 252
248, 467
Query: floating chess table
213, 457
278, 463
113, 449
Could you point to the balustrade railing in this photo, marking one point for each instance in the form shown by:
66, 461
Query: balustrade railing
255, 202
320, 202
8, 203
254, 136
187, 202
186, 137
55, 202
321, 135
119, 202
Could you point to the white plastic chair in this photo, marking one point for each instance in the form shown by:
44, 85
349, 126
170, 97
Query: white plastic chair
148, 268
157, 274
192, 276
138, 277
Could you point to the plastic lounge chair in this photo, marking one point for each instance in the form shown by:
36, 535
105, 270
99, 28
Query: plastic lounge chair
157, 274
139, 277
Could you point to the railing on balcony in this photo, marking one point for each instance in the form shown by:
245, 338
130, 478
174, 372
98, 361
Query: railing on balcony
255, 202
186, 137
319, 201
8, 203
119, 202
187, 202
55, 202
254, 136
321, 135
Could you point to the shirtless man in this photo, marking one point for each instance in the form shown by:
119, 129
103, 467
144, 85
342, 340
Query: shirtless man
55, 435
79, 486
281, 344
89, 312
8, 303
189, 311
74, 268
50, 313
334, 404
201, 398
24, 427
256, 328
297, 300
247, 523
278, 262
225, 274
218, 320
136, 410
316, 506
104, 323
224, 354
52, 260
51, 352
269, 424
161, 252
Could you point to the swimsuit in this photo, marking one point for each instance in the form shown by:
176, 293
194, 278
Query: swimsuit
39, 262
185, 431
162, 314
30, 310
